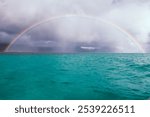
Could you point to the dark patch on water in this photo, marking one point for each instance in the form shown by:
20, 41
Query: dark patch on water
67, 83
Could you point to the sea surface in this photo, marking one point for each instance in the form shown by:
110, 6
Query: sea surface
88, 76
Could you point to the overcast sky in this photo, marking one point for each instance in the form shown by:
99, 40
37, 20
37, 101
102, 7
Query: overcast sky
76, 34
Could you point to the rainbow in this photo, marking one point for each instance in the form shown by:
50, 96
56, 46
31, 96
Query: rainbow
125, 32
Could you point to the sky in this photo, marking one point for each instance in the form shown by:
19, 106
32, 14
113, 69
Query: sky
117, 26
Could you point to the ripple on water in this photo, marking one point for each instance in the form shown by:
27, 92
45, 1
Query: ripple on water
80, 76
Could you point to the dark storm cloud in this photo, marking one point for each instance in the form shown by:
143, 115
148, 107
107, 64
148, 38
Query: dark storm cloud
11, 30
7, 33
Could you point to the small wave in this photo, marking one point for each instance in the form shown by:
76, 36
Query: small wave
144, 67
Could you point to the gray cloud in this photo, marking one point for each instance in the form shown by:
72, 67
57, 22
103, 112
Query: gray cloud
71, 34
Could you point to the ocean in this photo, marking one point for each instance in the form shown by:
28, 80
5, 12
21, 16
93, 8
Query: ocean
82, 76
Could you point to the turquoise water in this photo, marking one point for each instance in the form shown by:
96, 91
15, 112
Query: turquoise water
75, 76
